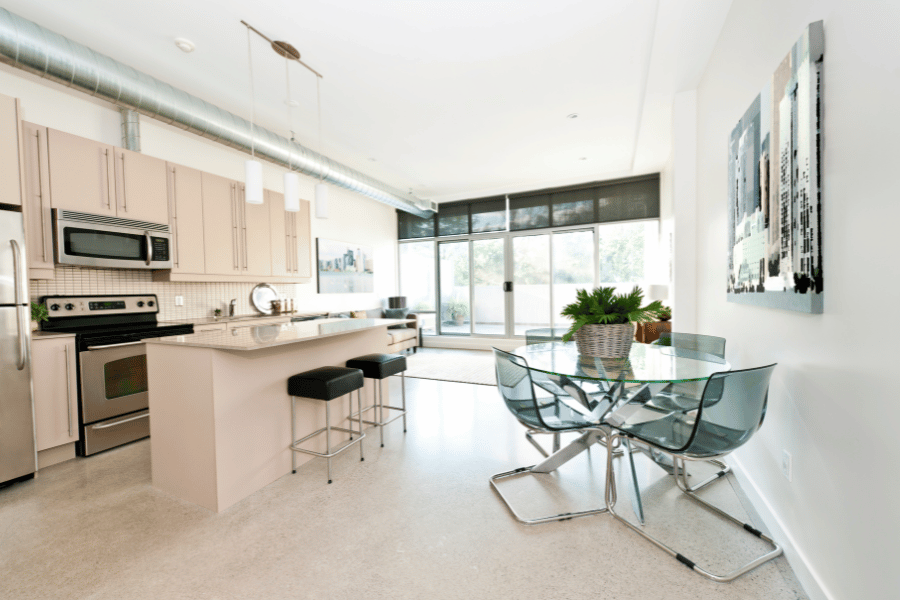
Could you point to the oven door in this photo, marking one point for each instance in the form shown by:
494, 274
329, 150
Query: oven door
113, 380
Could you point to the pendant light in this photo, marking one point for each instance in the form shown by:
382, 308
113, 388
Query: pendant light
253, 185
291, 179
321, 188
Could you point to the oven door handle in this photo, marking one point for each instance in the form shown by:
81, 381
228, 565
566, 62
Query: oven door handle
143, 416
149, 247
114, 345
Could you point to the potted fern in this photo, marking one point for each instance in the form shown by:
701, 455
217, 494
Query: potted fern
603, 321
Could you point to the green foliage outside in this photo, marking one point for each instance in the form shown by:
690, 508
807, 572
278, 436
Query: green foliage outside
604, 307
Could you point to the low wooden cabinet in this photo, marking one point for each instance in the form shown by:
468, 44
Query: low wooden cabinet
55, 391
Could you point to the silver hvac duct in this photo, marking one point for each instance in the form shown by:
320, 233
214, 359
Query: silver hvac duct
30, 47
131, 129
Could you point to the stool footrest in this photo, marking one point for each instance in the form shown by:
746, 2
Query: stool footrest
386, 421
358, 438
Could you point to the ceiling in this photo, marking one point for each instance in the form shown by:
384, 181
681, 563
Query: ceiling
449, 98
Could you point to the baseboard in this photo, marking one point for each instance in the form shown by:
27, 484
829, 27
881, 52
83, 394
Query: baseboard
56, 455
806, 575
471, 343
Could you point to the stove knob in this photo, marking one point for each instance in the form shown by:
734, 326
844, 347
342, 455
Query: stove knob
70, 306
150, 303
54, 307
140, 304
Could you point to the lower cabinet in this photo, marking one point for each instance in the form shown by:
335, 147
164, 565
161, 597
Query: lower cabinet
55, 391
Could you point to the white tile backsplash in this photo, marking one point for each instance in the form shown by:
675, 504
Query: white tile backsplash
200, 299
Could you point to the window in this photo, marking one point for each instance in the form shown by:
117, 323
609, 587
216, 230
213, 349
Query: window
417, 275
529, 212
410, 226
489, 215
453, 220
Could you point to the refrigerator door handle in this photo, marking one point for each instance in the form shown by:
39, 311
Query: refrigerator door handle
18, 270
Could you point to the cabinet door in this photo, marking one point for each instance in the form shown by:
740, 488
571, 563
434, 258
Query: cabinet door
55, 395
186, 219
38, 219
302, 242
10, 192
281, 226
82, 174
257, 238
141, 187
221, 226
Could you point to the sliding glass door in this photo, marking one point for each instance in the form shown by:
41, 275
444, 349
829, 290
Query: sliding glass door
488, 297
455, 273
531, 282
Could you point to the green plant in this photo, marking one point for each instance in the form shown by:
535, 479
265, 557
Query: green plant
456, 308
217, 312
39, 312
604, 307
665, 313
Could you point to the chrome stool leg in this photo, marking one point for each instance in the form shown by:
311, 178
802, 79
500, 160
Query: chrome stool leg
359, 422
403, 396
328, 437
293, 435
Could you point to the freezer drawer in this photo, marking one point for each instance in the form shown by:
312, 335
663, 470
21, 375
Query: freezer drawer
116, 431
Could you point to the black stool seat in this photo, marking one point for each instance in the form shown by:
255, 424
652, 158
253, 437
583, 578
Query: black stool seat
325, 383
379, 366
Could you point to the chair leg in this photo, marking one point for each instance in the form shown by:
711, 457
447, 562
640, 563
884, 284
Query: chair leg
610, 497
635, 487
293, 436
403, 396
350, 412
379, 393
328, 437
359, 405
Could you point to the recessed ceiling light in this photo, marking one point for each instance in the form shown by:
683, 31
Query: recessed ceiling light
572, 116
184, 45
583, 158
372, 159
291, 102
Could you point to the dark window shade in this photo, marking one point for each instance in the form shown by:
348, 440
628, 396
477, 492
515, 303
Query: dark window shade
411, 227
453, 220
574, 207
489, 215
529, 212
628, 201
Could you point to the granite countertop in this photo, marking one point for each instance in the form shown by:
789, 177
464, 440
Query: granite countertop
46, 335
268, 336
238, 318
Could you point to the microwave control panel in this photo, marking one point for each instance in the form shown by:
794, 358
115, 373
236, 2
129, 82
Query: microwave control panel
160, 249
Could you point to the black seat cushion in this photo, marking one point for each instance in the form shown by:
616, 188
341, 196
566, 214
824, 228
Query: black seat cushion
379, 366
325, 383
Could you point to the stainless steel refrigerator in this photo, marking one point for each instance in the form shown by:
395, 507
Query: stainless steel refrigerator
17, 450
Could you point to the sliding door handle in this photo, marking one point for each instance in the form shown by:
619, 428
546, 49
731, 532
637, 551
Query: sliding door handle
507, 286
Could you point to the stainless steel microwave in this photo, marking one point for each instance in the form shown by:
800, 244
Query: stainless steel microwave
90, 240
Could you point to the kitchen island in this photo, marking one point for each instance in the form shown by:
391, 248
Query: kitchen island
219, 409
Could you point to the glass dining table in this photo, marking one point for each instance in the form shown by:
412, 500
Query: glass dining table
634, 385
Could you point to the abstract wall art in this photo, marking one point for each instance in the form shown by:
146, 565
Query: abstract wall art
774, 187
344, 268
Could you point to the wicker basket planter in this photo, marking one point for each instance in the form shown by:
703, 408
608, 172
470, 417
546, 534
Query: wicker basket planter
605, 341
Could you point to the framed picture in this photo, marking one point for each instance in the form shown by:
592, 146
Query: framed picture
774, 187
344, 268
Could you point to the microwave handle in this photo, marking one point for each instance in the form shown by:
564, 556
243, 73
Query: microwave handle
149, 247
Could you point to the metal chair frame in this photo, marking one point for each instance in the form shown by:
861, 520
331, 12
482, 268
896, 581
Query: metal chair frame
379, 407
329, 453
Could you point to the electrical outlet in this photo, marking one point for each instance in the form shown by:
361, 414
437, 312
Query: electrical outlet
786, 465
179, 300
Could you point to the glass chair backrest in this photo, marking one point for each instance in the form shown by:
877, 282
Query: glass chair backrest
707, 344
731, 411
514, 383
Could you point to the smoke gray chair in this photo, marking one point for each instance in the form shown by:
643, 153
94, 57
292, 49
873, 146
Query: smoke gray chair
731, 409
567, 408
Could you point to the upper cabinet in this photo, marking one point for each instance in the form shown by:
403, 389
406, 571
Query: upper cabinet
141, 187
10, 192
36, 206
221, 225
257, 238
91, 177
290, 238
186, 219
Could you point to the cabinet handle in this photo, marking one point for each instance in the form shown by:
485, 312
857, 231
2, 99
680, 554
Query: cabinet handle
105, 160
244, 229
68, 390
234, 228
124, 197
41, 169
175, 220
294, 258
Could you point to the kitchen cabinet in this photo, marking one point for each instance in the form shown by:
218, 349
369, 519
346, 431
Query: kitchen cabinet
221, 225
185, 191
257, 238
141, 193
91, 177
10, 181
36, 202
290, 238
55, 391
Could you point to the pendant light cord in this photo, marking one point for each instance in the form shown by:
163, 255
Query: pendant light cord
321, 150
252, 99
287, 80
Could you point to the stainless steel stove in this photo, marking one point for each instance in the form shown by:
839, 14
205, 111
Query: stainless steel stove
113, 395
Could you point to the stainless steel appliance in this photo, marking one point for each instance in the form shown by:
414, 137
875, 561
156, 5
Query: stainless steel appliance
101, 241
112, 363
18, 459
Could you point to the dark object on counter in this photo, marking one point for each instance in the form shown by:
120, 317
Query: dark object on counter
397, 302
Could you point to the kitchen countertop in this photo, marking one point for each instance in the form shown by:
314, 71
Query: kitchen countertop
238, 318
46, 335
268, 336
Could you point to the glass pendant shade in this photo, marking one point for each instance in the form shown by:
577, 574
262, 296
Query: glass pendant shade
253, 192
291, 192
321, 201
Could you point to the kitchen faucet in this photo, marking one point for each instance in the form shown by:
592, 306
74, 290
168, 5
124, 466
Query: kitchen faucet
231, 306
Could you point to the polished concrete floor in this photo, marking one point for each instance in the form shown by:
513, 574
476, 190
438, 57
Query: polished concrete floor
416, 520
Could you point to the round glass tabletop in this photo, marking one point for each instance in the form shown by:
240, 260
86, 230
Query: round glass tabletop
646, 363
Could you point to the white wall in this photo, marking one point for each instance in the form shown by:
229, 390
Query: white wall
352, 217
833, 403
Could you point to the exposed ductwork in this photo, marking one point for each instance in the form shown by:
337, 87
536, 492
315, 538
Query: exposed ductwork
131, 129
30, 47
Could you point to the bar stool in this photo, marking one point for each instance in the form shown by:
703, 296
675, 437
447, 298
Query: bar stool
378, 367
325, 383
